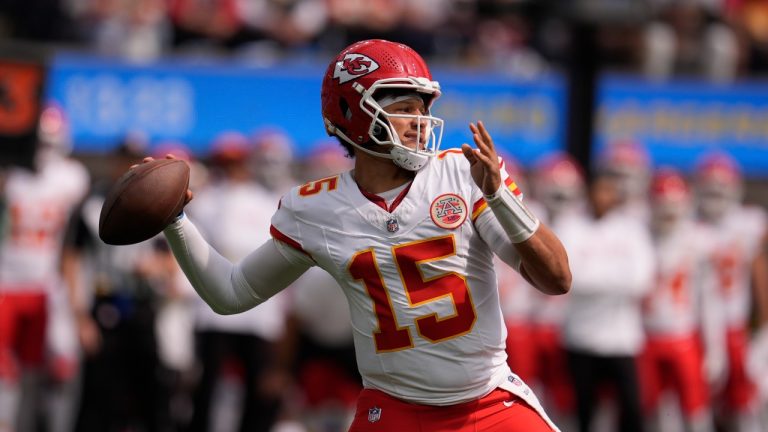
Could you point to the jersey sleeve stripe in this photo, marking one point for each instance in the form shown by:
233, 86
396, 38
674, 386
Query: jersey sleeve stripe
481, 205
445, 153
277, 235
478, 208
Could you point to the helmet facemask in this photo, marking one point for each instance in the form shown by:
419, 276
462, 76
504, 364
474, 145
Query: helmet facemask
429, 129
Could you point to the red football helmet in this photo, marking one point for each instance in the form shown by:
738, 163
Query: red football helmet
558, 182
351, 110
668, 185
720, 168
53, 129
670, 200
719, 184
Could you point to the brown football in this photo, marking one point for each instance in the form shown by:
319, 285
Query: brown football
143, 201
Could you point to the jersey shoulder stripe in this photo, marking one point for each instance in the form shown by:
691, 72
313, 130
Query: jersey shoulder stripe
278, 235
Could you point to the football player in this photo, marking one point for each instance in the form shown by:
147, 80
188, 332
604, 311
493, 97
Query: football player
409, 234
742, 276
680, 310
33, 299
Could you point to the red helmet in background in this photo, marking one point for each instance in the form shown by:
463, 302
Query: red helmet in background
230, 147
719, 167
325, 159
719, 184
624, 155
365, 71
669, 185
670, 200
558, 182
559, 169
54, 129
175, 148
628, 163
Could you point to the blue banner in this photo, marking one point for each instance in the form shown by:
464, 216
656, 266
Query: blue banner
193, 103
678, 121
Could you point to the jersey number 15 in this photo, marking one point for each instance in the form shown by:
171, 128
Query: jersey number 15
389, 336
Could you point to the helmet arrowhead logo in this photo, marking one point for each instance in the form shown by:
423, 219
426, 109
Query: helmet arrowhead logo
353, 66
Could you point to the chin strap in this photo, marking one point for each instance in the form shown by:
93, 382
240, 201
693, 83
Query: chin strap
518, 222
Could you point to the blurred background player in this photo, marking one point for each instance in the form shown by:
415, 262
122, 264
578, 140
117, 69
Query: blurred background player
238, 354
319, 324
115, 291
558, 194
612, 257
38, 204
628, 163
272, 160
684, 349
742, 277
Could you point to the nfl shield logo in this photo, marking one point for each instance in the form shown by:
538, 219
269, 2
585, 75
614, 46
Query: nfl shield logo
392, 225
374, 414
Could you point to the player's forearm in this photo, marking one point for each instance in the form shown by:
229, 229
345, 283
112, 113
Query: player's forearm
544, 262
228, 288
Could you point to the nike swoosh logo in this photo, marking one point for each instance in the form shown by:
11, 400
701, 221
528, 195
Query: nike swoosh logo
508, 403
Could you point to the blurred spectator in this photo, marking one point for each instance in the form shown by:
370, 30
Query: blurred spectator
611, 255
680, 313
203, 21
24, 20
741, 242
33, 300
502, 43
750, 20
239, 351
688, 39
116, 291
132, 29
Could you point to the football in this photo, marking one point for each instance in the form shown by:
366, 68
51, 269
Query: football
143, 201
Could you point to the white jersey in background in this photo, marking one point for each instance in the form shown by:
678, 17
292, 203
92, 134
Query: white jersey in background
321, 308
420, 306
738, 237
235, 217
38, 207
684, 276
612, 262
515, 292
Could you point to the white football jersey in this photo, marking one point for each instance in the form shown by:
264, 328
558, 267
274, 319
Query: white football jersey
738, 239
38, 207
418, 277
683, 274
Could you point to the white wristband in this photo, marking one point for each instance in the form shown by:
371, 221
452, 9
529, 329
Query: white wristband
518, 222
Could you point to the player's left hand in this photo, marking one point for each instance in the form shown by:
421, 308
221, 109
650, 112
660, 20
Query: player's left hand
483, 160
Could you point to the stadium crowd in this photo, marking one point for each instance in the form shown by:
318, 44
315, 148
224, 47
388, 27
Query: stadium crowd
721, 39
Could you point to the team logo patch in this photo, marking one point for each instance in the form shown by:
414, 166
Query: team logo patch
448, 211
374, 414
353, 66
